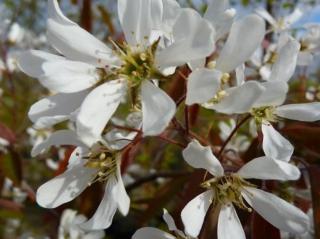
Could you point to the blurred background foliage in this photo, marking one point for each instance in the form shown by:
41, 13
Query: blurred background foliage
156, 176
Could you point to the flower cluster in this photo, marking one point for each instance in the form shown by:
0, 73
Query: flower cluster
90, 81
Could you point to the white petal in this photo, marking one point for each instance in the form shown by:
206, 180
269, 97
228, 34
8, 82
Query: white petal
138, 18
294, 16
269, 169
194, 212
97, 108
103, 216
68, 76
285, 65
275, 93
171, 10
58, 138
150, 232
304, 112
229, 225
198, 156
220, 16
30, 62
74, 42
65, 187
120, 194
275, 145
169, 220
266, 15
190, 32
157, 109
55, 109
238, 99
244, 38
276, 211
202, 85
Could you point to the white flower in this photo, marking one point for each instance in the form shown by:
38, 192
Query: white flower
99, 163
310, 44
69, 227
211, 87
280, 61
150, 232
157, 41
269, 108
283, 23
226, 190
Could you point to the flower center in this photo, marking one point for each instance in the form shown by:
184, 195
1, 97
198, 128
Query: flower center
227, 189
264, 113
138, 63
104, 160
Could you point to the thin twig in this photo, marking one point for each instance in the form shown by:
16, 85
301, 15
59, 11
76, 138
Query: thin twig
234, 131
155, 176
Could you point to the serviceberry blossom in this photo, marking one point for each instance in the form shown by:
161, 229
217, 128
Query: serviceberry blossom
211, 86
226, 190
92, 80
87, 165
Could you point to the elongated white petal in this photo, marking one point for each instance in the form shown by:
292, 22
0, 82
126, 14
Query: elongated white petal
120, 194
275, 145
238, 99
266, 15
269, 169
68, 76
250, 30
97, 109
198, 156
103, 216
202, 85
171, 224
294, 16
157, 109
229, 225
58, 138
30, 62
283, 69
275, 94
150, 232
67, 186
171, 10
194, 212
190, 32
74, 42
303, 112
138, 18
220, 16
276, 211
54, 109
